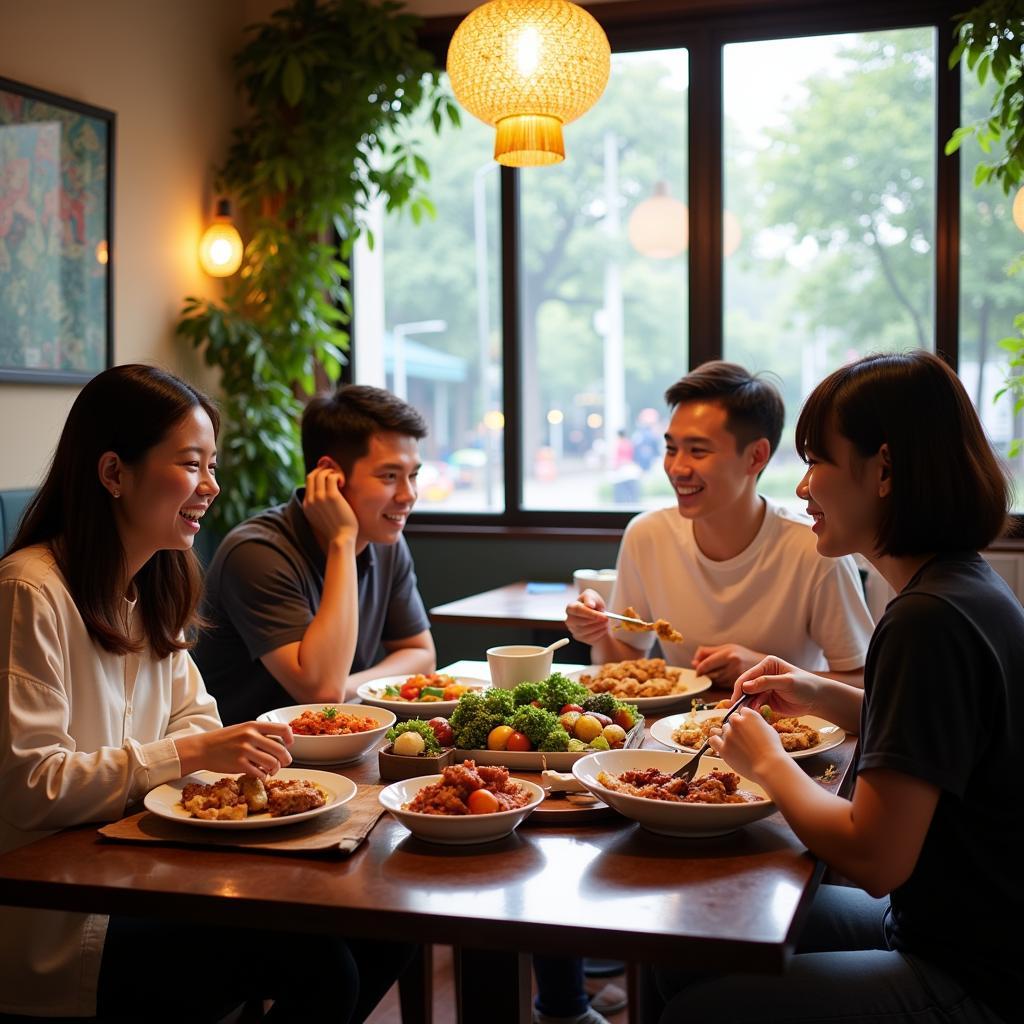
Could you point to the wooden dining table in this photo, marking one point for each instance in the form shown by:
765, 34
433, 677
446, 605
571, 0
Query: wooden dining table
607, 889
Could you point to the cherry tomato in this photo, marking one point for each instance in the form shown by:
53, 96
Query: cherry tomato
410, 691
571, 707
442, 730
497, 738
517, 741
482, 801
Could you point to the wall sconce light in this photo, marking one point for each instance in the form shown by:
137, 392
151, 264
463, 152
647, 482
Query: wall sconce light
220, 248
528, 67
1018, 208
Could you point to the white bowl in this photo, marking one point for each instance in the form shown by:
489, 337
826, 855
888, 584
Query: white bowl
662, 816
333, 749
601, 580
454, 829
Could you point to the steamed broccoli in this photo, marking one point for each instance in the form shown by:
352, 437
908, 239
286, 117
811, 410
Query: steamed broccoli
556, 740
560, 690
527, 693
603, 704
430, 744
499, 702
535, 723
474, 717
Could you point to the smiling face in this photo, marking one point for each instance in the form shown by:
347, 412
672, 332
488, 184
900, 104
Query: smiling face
161, 499
708, 475
381, 487
845, 496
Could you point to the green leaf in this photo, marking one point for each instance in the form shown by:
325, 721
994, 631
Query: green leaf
292, 81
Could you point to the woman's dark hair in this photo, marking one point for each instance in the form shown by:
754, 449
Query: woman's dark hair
341, 424
128, 410
753, 405
949, 491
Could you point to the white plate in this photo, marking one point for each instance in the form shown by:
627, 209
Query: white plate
165, 801
454, 829
663, 816
369, 693
694, 684
333, 749
831, 735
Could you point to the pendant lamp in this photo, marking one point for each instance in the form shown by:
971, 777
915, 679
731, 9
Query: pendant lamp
1018, 209
528, 67
659, 227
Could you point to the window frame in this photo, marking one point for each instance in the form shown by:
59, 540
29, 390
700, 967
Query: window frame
704, 28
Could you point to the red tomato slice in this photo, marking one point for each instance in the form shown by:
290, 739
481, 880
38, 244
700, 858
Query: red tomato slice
410, 692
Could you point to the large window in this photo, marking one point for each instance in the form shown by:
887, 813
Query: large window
829, 208
802, 215
603, 294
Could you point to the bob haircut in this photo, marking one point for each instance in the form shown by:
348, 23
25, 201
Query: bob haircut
753, 405
128, 410
341, 424
949, 491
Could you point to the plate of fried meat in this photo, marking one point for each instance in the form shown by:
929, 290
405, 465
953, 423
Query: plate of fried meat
213, 800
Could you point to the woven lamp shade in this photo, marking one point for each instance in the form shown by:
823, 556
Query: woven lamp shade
528, 67
1018, 209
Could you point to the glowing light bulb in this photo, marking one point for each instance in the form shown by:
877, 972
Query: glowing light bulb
220, 248
528, 51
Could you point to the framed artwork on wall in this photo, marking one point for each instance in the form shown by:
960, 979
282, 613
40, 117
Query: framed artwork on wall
56, 251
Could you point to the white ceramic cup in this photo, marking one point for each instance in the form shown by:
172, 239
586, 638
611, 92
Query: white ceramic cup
601, 580
513, 664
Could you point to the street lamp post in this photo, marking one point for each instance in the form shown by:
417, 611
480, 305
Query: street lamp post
399, 384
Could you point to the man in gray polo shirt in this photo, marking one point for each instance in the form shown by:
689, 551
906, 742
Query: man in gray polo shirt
310, 599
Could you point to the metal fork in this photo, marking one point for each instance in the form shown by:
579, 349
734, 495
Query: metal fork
686, 772
626, 618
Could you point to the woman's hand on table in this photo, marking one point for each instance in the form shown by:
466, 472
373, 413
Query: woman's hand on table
256, 748
585, 618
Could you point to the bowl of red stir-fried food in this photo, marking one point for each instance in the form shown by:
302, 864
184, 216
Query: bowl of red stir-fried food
639, 785
466, 803
332, 733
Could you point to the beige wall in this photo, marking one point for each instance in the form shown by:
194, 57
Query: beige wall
164, 67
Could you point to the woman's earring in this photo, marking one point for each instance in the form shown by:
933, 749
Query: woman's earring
117, 494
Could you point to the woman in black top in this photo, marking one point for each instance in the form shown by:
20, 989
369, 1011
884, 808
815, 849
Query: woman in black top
899, 470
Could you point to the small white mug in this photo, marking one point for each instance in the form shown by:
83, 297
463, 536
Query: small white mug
512, 664
601, 580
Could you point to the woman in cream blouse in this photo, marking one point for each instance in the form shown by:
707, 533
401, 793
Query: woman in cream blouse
100, 702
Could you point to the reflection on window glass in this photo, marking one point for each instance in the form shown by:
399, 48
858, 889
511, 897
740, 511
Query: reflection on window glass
830, 193
990, 296
603, 302
428, 318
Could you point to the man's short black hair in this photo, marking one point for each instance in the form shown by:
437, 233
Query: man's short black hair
753, 404
949, 491
340, 424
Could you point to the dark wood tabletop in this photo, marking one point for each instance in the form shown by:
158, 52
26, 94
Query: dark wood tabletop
511, 605
606, 889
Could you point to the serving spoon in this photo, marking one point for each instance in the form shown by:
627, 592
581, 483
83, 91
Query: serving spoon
556, 645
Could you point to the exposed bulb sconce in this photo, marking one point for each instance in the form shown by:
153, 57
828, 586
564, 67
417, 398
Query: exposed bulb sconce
528, 67
220, 248
1018, 208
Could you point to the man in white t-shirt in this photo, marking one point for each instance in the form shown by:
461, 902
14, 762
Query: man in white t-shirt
737, 574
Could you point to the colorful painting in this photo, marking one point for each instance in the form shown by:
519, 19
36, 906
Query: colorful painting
56, 262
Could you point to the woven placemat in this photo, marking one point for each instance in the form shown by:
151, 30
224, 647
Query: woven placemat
338, 832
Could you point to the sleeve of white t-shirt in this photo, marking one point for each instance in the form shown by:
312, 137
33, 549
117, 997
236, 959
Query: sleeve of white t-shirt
630, 592
840, 621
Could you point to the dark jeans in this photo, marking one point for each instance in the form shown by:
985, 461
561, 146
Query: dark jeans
177, 972
843, 971
560, 989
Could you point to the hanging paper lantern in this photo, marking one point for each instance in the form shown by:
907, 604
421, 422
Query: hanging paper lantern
659, 227
528, 67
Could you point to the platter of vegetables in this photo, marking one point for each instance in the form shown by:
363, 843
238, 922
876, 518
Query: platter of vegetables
536, 725
408, 696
